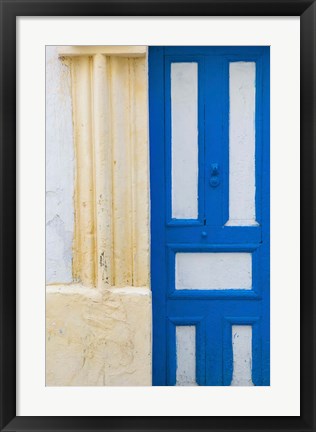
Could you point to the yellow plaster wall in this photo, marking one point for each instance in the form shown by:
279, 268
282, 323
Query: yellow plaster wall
98, 338
98, 329
110, 117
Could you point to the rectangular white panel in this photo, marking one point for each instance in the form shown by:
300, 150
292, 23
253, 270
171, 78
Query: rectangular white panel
184, 140
186, 358
213, 270
242, 106
242, 355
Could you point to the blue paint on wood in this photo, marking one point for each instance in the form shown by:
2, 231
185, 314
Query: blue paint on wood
212, 312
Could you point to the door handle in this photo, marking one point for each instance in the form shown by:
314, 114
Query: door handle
214, 177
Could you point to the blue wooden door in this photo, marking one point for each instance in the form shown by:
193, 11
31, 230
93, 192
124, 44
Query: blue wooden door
209, 174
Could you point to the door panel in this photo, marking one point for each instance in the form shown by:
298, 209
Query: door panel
213, 270
209, 170
184, 140
242, 112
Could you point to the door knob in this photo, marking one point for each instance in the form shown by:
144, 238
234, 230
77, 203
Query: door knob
214, 177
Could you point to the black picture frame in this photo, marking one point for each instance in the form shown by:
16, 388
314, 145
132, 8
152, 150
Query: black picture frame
10, 9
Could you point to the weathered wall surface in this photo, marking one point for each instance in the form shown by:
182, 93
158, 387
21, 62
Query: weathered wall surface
59, 170
110, 115
98, 301
97, 338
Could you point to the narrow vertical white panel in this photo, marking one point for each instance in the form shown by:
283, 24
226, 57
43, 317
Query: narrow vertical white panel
242, 187
242, 355
184, 140
186, 358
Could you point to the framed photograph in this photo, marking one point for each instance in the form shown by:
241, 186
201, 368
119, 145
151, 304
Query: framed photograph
157, 215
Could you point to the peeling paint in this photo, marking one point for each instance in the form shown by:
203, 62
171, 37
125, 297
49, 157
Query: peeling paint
59, 170
111, 241
97, 222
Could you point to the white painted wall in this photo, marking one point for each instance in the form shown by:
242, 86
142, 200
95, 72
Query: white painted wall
59, 170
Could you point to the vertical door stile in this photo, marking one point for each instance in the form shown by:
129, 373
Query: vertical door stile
214, 106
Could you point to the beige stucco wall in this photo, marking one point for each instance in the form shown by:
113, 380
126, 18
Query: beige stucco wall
98, 327
98, 338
